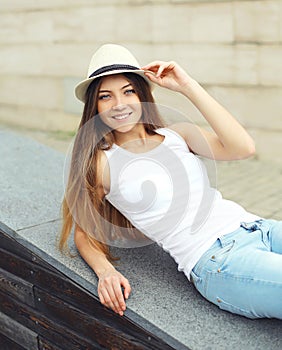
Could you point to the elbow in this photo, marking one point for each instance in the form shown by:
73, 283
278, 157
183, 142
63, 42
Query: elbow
248, 151
252, 150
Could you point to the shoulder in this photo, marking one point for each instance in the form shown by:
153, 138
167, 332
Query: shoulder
185, 130
192, 134
201, 142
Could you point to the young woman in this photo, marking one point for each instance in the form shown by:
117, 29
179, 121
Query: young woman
132, 178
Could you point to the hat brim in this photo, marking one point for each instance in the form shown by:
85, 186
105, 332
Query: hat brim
81, 88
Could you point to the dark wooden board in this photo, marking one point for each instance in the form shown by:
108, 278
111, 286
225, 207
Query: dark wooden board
8, 344
46, 328
17, 287
12, 245
18, 333
85, 324
64, 289
60, 313
57, 284
44, 344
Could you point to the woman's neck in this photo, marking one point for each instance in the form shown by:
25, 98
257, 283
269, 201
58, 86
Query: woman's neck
137, 134
138, 140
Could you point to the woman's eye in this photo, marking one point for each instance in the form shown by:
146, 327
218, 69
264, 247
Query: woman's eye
104, 97
129, 91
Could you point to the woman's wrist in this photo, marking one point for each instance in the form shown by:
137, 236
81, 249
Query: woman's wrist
190, 88
104, 270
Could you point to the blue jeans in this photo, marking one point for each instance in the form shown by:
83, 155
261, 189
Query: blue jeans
242, 271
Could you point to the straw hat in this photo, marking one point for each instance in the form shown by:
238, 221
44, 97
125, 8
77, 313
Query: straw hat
107, 60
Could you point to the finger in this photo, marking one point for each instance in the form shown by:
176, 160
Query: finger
170, 66
151, 69
119, 299
162, 67
112, 291
106, 299
109, 294
126, 286
102, 300
165, 68
152, 77
153, 66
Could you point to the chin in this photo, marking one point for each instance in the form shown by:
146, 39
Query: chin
124, 128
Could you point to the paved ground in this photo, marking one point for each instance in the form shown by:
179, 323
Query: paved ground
254, 184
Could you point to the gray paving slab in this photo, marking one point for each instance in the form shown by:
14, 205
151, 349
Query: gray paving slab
162, 297
30, 180
254, 184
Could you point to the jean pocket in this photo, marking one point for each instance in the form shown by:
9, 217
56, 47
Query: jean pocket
200, 283
223, 305
221, 255
195, 279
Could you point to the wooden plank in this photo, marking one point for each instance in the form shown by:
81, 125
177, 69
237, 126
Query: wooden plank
9, 244
80, 322
18, 333
58, 284
47, 278
73, 294
8, 344
17, 287
44, 344
45, 327
93, 328
17, 265
25, 269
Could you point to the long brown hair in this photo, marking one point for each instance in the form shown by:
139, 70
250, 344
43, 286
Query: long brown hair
82, 178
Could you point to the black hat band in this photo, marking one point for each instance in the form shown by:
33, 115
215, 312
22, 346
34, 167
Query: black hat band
112, 67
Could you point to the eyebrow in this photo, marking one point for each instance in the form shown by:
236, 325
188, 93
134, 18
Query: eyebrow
125, 86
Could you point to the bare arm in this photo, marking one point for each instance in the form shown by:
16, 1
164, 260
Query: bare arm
110, 280
229, 140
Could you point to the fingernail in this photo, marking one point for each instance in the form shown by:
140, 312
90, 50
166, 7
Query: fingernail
121, 313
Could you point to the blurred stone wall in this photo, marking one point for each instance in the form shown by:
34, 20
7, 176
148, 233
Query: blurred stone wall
233, 48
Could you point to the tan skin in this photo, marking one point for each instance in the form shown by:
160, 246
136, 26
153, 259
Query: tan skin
120, 108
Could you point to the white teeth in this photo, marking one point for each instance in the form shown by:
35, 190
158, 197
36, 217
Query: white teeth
120, 117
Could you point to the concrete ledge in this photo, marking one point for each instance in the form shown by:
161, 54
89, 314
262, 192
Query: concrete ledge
162, 301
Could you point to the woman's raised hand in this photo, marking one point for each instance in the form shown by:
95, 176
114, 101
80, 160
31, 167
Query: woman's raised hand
167, 74
110, 292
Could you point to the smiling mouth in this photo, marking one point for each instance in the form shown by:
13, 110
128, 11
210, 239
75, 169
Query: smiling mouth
121, 116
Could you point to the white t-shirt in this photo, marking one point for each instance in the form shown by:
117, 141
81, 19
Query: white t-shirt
167, 195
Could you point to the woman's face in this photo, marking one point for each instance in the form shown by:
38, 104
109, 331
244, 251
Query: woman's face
119, 106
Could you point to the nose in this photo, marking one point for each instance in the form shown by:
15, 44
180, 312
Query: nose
118, 104
118, 107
